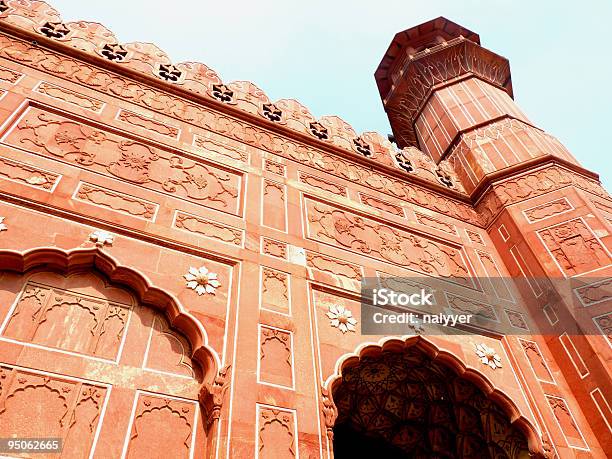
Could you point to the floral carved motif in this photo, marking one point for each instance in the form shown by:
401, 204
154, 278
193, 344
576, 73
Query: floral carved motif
9, 75
116, 86
202, 280
107, 153
101, 238
371, 238
488, 356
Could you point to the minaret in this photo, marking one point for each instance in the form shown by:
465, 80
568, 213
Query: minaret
452, 98
549, 219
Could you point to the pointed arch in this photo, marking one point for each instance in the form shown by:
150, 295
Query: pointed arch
398, 344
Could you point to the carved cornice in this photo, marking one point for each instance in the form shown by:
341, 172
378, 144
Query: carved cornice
423, 72
381, 177
529, 179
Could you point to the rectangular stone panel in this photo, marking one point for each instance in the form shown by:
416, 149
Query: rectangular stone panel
276, 435
178, 418
537, 361
349, 231
148, 124
208, 228
547, 210
69, 96
574, 247
98, 150
9, 75
274, 205
38, 404
66, 320
380, 204
567, 422
275, 290
275, 356
116, 201
19, 172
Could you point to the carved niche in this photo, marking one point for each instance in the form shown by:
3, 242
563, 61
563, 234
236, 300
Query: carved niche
276, 437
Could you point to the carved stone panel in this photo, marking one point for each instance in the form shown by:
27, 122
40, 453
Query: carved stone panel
465, 305
9, 75
117, 201
604, 323
574, 247
106, 153
536, 360
436, 223
493, 275
42, 405
274, 206
566, 421
322, 184
276, 433
67, 320
381, 205
70, 97
275, 356
147, 123
273, 248
25, 174
162, 424
374, 239
547, 210
275, 290
208, 228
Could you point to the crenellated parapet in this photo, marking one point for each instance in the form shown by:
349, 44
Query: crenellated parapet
101, 47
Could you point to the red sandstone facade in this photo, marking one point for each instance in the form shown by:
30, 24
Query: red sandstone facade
122, 175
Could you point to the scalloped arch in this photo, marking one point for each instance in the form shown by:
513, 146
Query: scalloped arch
67, 262
398, 344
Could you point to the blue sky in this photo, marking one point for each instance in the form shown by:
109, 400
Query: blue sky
324, 53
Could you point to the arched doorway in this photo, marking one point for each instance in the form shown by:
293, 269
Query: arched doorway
405, 404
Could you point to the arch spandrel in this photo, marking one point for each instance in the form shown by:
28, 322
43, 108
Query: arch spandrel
442, 358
